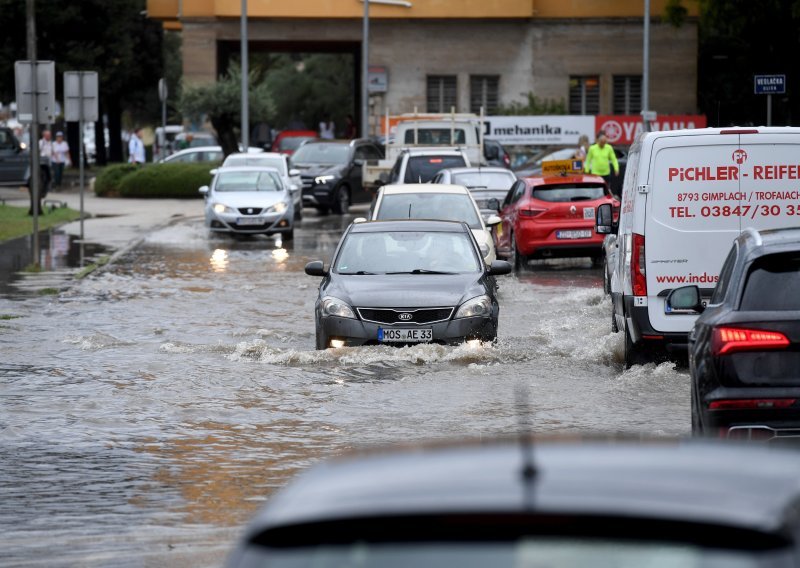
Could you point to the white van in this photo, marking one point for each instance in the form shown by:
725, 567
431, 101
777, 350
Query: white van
687, 195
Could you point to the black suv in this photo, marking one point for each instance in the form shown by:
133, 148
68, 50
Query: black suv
332, 172
15, 163
744, 351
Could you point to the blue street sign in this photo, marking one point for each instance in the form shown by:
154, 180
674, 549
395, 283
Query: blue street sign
770, 84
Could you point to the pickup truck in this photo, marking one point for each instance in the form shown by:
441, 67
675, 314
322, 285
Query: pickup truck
15, 163
456, 131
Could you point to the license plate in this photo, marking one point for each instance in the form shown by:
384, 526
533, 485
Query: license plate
582, 234
405, 335
249, 221
588, 213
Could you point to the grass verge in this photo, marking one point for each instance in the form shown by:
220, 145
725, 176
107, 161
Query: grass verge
89, 268
15, 222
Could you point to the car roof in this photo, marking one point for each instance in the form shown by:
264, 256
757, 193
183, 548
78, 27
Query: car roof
699, 482
421, 225
553, 180
480, 170
407, 188
352, 142
770, 241
444, 151
254, 155
247, 169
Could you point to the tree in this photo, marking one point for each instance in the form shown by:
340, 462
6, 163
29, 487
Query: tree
220, 103
533, 106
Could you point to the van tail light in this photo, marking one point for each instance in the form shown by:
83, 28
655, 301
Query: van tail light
752, 404
726, 340
531, 212
638, 276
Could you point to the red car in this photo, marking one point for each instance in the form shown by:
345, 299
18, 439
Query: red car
288, 141
554, 216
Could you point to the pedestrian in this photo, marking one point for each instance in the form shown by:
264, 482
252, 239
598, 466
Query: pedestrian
60, 158
583, 147
327, 129
601, 158
136, 148
349, 127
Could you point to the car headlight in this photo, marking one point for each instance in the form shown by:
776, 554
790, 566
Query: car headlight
335, 307
322, 180
476, 307
484, 250
279, 207
222, 208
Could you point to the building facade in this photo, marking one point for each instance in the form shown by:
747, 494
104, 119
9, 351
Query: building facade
463, 54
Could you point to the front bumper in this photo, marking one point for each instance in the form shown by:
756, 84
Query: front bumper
318, 195
271, 222
358, 332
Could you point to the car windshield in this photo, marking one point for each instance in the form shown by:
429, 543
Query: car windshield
248, 181
407, 252
439, 206
256, 160
772, 284
422, 169
436, 136
487, 180
557, 193
526, 553
322, 154
293, 142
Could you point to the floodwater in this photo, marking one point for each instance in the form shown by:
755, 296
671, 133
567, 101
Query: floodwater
149, 409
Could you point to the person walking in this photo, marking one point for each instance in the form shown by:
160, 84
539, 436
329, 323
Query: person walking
136, 148
601, 158
349, 127
583, 147
59, 158
327, 129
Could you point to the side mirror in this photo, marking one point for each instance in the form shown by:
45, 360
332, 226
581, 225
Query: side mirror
685, 300
604, 220
203, 190
213, 172
358, 162
500, 267
493, 220
294, 172
358, 220
493, 203
316, 268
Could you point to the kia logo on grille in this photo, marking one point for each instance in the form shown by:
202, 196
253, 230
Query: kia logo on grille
404, 317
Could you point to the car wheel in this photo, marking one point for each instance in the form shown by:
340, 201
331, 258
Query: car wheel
341, 202
634, 354
323, 210
322, 340
298, 213
516, 259
288, 236
606, 278
697, 427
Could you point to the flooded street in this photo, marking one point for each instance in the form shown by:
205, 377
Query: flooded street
150, 408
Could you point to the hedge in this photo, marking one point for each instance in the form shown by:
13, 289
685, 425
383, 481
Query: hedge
167, 180
107, 181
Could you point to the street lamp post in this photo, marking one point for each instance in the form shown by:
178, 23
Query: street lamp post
365, 59
646, 68
245, 77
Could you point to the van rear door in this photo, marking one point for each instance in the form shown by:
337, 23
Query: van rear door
693, 208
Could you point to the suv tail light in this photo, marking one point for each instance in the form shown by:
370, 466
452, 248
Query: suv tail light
638, 276
531, 212
752, 404
726, 340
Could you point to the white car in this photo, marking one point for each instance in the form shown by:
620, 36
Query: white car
420, 165
291, 177
249, 200
201, 154
438, 202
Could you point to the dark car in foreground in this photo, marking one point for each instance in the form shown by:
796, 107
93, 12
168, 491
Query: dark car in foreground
616, 504
405, 282
744, 350
331, 171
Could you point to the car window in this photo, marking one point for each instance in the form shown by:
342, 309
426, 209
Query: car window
185, 158
519, 191
292, 142
564, 193
406, 251
247, 181
212, 156
436, 136
485, 180
322, 154
368, 152
277, 162
421, 169
6, 141
772, 283
725, 276
440, 206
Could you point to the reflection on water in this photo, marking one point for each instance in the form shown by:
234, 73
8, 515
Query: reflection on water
219, 260
280, 255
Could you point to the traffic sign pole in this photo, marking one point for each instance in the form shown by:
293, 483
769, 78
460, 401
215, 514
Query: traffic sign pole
34, 130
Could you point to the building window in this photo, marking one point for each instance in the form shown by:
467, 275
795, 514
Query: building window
627, 94
483, 92
441, 93
584, 94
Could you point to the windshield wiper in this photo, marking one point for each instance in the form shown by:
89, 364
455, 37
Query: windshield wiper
421, 271
359, 273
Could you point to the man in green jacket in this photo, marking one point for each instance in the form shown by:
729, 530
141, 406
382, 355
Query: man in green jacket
601, 158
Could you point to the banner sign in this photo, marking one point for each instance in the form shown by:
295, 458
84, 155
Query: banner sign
539, 130
622, 129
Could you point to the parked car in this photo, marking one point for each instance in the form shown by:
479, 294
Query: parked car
744, 350
488, 185
201, 154
291, 177
687, 195
195, 139
495, 154
552, 217
548, 503
420, 165
249, 200
288, 141
331, 171
15, 163
441, 202
405, 282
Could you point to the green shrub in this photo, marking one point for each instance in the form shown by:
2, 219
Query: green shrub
167, 180
107, 181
